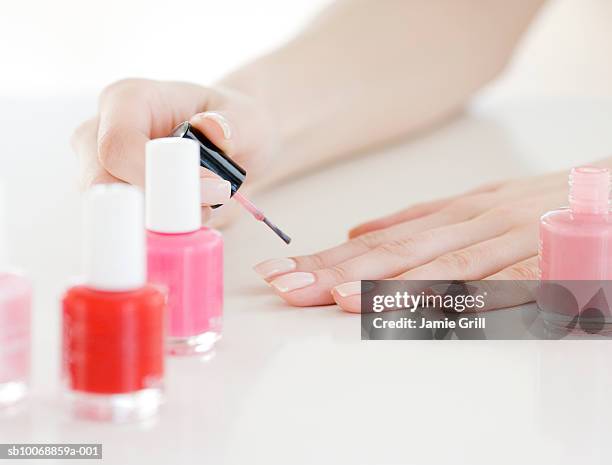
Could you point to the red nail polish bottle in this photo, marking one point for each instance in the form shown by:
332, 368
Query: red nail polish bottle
113, 323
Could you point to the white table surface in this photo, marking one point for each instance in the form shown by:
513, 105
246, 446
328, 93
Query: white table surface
297, 385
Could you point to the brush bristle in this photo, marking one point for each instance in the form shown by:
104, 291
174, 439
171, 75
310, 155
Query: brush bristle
277, 231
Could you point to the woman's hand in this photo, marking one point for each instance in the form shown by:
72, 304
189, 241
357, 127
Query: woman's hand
111, 146
489, 233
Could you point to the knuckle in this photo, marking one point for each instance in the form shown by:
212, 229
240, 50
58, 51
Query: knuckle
469, 206
404, 246
504, 211
512, 213
337, 273
317, 261
523, 272
464, 207
370, 240
461, 260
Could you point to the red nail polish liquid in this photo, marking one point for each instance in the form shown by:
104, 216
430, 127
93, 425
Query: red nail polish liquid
113, 323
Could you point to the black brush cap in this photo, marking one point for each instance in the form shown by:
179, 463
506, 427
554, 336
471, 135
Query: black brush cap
212, 157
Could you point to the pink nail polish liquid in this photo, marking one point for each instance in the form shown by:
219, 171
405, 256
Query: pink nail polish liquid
576, 243
183, 257
15, 304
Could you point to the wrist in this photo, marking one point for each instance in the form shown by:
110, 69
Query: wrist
259, 81
250, 81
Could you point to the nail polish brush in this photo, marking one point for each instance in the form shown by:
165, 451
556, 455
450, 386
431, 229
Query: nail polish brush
214, 159
259, 216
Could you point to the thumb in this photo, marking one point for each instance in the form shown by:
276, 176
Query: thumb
216, 127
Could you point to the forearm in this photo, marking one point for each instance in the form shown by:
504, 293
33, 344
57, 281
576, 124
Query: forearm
366, 72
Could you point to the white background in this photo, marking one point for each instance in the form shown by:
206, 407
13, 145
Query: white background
77, 47
292, 385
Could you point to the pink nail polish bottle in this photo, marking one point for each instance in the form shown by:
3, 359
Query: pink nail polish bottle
576, 241
15, 303
183, 256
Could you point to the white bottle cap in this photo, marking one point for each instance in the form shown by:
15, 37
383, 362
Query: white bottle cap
172, 185
114, 238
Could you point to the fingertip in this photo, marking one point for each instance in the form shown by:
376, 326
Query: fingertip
301, 289
214, 191
348, 296
350, 305
217, 117
216, 127
275, 267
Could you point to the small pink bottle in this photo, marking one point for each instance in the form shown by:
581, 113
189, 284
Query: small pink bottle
183, 256
576, 244
15, 303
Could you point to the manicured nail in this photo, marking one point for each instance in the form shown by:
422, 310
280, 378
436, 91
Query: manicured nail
348, 289
275, 266
214, 191
217, 118
292, 281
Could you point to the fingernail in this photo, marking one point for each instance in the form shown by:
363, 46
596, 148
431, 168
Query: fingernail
275, 266
292, 281
217, 118
348, 289
214, 191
